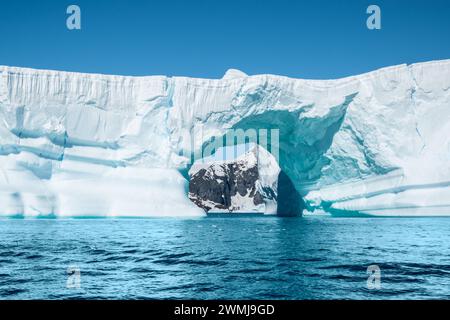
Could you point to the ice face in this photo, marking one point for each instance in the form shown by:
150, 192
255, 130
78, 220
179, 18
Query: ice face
376, 143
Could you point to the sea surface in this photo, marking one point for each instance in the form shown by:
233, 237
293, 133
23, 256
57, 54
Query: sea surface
225, 258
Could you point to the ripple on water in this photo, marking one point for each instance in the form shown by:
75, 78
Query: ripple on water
225, 258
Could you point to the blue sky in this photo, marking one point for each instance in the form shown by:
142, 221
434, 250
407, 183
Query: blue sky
316, 39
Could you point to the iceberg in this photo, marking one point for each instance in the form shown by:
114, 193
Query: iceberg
75, 144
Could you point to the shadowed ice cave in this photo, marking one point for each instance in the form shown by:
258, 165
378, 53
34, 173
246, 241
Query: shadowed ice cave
289, 201
303, 142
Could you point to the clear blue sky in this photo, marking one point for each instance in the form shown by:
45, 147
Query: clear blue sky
203, 38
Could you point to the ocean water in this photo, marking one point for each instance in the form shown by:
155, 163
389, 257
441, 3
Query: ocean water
225, 258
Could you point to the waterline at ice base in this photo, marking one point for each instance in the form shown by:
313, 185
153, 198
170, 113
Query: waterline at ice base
80, 145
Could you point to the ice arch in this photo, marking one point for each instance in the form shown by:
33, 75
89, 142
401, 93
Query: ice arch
375, 143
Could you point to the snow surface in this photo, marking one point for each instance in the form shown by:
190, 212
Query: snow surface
245, 156
87, 144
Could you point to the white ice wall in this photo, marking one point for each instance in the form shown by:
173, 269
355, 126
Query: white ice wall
342, 141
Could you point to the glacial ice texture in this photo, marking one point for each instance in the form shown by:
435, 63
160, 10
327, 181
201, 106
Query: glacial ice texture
85, 144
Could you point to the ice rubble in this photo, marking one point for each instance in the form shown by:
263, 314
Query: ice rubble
86, 144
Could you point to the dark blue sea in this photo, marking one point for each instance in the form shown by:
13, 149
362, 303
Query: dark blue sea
225, 258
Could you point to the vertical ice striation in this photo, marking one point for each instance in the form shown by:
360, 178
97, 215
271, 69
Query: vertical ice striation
86, 144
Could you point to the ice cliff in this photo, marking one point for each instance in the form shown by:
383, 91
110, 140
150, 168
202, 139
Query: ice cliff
85, 144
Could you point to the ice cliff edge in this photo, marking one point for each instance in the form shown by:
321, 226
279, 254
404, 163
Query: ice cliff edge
84, 144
